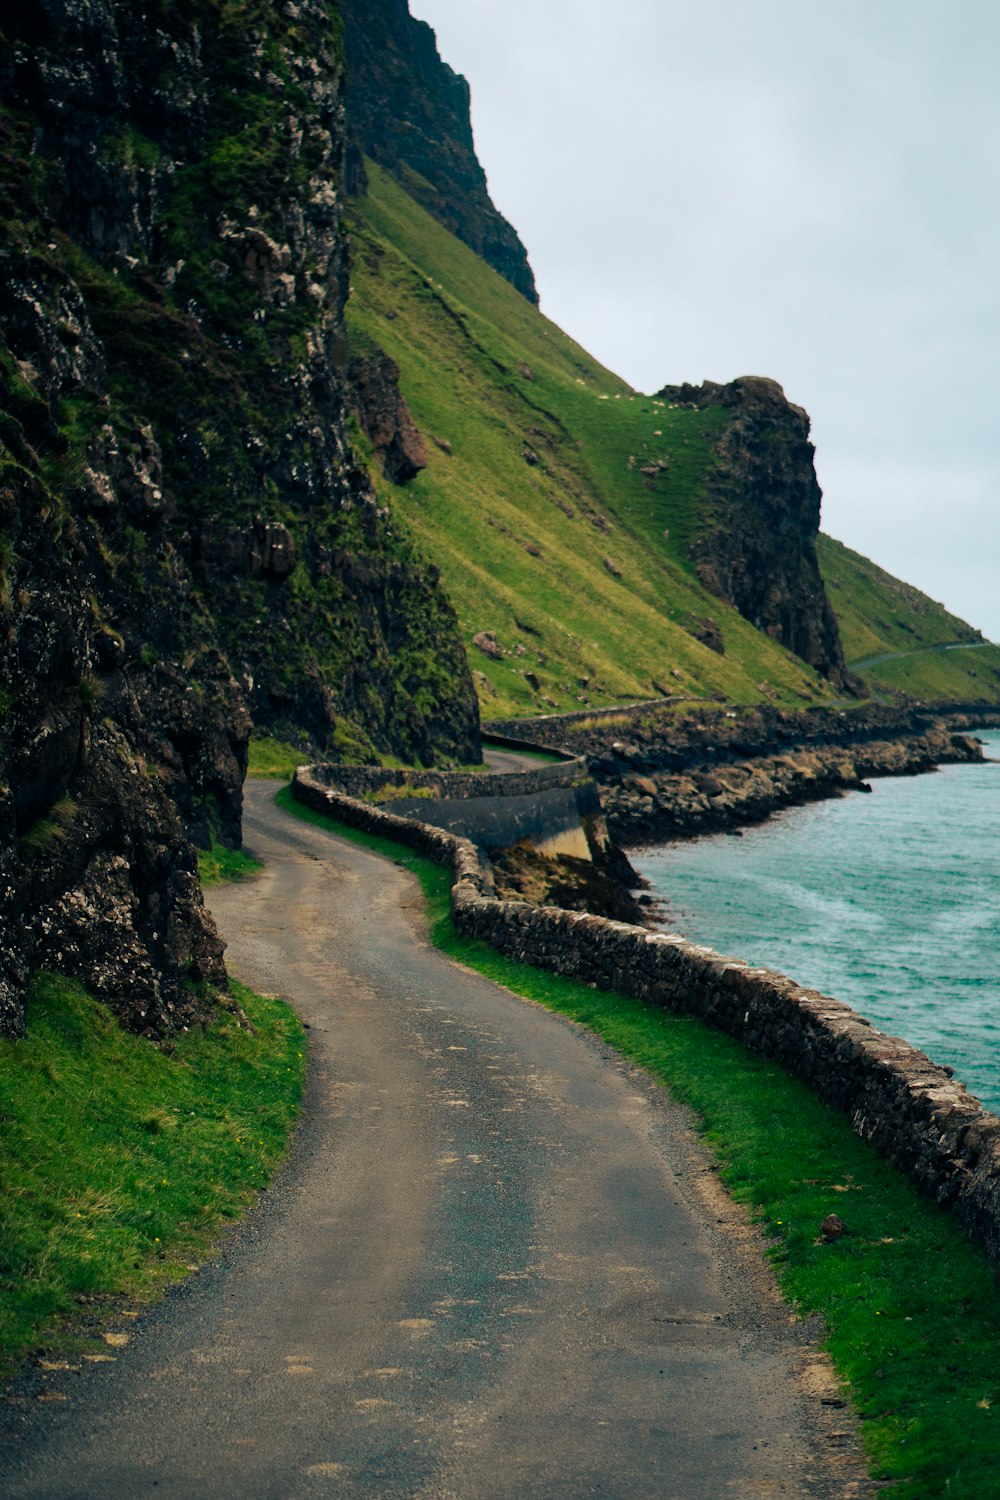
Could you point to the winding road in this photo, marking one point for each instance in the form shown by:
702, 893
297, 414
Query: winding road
497, 1266
873, 661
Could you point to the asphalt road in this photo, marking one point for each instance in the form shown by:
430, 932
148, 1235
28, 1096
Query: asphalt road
496, 1267
508, 761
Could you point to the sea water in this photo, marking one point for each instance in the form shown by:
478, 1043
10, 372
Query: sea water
890, 902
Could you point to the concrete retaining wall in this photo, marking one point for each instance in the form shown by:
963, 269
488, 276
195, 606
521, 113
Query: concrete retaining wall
910, 1108
554, 820
557, 808
356, 781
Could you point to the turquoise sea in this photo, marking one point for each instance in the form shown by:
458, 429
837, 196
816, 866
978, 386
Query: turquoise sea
890, 902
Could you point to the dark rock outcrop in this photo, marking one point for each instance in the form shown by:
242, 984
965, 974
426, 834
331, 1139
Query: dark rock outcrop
757, 549
410, 112
385, 417
185, 540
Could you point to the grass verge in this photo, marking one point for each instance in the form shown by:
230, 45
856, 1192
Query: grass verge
274, 760
218, 865
910, 1306
120, 1161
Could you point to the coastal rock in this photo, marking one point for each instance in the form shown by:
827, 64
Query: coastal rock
716, 770
759, 550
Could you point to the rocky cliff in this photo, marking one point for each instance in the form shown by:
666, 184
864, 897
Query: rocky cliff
185, 542
410, 112
757, 547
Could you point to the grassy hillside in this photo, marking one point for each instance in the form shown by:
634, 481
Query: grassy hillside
546, 530
881, 616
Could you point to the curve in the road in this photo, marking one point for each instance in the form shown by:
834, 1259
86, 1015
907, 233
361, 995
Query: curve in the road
873, 661
496, 1266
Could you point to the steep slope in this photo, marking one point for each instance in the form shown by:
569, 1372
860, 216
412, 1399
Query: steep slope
185, 540
898, 639
560, 505
410, 112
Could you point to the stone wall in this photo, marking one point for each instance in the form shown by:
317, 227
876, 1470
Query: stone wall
357, 781
911, 1109
555, 808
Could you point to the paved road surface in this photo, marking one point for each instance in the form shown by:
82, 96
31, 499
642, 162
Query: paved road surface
508, 761
492, 1271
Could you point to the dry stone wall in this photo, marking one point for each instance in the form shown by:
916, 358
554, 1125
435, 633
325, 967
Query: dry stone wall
911, 1109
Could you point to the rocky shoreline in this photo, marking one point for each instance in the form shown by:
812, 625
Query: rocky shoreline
656, 806
664, 774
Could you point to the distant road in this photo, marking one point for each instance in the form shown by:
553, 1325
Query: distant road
497, 1266
873, 661
509, 761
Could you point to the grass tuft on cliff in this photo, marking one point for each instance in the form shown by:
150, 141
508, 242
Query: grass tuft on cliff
219, 865
120, 1162
910, 1307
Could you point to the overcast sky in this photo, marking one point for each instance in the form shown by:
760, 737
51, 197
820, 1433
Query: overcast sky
806, 189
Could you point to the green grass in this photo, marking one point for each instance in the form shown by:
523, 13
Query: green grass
911, 1309
218, 865
522, 545
273, 759
878, 613
120, 1161
964, 676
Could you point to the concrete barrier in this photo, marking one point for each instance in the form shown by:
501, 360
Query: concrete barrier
557, 808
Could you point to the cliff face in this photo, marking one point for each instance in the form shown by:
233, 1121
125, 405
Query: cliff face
184, 539
758, 548
410, 112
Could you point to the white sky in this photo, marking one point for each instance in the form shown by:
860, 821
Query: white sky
806, 189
